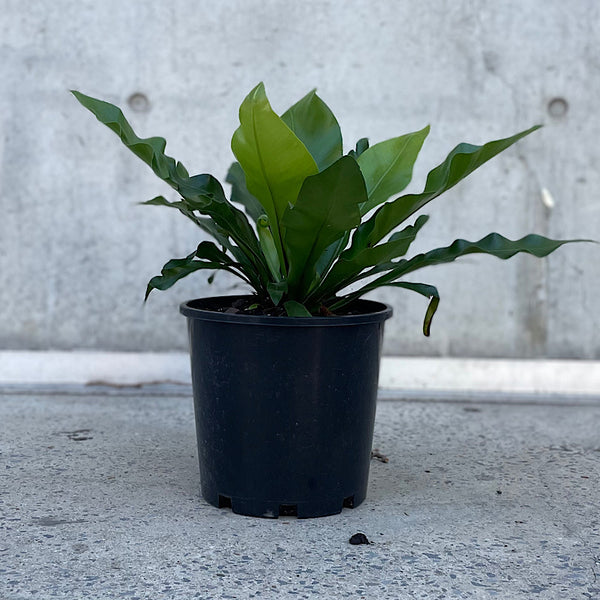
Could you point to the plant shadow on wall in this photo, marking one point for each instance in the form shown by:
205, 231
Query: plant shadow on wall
285, 379
320, 218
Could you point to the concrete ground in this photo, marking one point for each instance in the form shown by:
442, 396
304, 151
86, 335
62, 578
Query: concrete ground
99, 498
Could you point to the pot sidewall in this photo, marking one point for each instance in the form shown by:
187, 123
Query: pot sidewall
284, 411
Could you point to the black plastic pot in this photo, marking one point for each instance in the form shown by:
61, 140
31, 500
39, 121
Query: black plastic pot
284, 407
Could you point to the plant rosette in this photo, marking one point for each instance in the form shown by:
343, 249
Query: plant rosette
284, 428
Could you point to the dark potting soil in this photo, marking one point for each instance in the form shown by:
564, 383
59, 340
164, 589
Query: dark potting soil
252, 306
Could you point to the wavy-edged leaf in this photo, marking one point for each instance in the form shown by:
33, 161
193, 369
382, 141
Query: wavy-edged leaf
202, 193
493, 244
169, 277
208, 251
205, 223
240, 193
274, 160
150, 150
327, 207
429, 291
462, 161
352, 263
387, 167
205, 194
247, 265
177, 268
317, 128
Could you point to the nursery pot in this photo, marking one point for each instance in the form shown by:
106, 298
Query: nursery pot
284, 407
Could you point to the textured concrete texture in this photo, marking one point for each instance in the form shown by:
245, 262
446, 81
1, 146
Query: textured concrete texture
99, 498
76, 251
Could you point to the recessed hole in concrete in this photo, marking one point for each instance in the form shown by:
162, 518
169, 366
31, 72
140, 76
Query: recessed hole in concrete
139, 102
558, 107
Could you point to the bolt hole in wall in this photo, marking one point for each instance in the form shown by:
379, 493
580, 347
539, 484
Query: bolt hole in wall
557, 108
139, 102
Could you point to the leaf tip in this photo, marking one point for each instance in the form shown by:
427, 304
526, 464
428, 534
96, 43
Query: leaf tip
433, 305
259, 89
78, 95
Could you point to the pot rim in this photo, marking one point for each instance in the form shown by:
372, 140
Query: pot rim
375, 312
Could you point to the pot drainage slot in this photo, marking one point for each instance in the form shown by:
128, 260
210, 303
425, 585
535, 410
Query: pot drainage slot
349, 502
224, 501
288, 510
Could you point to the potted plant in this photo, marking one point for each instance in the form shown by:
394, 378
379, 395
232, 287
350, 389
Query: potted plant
285, 377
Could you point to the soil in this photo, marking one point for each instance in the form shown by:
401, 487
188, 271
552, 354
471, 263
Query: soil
252, 306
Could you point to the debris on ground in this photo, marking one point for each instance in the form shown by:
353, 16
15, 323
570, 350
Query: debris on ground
380, 457
358, 538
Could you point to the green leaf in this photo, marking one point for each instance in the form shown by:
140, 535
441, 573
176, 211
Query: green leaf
177, 268
205, 194
202, 193
208, 251
268, 246
493, 244
317, 128
351, 263
327, 207
247, 264
169, 277
150, 150
462, 161
328, 258
274, 160
205, 223
240, 193
429, 291
277, 291
387, 167
362, 145
295, 309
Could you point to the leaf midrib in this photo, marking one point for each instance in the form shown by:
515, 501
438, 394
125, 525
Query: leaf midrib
262, 165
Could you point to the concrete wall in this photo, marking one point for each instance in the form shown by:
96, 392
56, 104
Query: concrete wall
76, 250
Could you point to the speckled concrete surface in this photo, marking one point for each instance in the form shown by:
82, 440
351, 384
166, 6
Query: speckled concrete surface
99, 498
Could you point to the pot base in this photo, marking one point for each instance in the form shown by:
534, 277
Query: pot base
272, 510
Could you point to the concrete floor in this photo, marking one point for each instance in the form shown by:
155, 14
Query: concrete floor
99, 498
